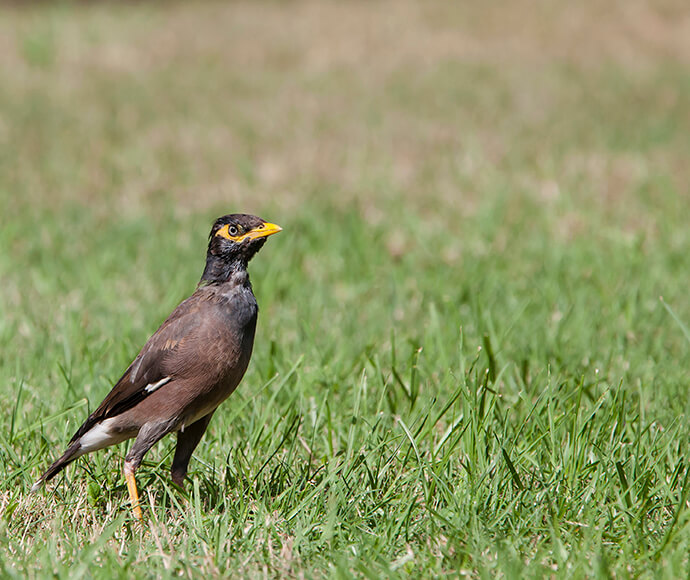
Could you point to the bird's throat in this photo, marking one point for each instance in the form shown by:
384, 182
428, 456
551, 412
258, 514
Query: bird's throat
220, 271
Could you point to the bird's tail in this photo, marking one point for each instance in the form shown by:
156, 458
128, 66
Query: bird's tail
68, 456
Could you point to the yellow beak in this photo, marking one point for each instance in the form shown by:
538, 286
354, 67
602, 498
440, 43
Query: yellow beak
264, 230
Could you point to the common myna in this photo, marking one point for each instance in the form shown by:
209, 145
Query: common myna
193, 362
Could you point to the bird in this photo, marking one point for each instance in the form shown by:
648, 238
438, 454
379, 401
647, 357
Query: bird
188, 367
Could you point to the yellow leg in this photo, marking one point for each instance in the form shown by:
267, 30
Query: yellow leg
133, 493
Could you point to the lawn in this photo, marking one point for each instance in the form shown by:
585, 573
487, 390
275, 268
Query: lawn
473, 353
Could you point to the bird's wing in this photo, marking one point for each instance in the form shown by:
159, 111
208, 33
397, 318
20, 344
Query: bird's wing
150, 369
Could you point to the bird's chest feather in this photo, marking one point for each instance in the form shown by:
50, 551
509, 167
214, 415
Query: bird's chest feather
227, 339
237, 311
234, 332
214, 352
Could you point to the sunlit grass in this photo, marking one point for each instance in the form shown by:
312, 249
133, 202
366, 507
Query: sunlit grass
462, 366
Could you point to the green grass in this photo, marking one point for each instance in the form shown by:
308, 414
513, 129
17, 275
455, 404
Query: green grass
463, 365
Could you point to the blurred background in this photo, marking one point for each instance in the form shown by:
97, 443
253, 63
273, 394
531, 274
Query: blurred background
116, 106
498, 149
449, 175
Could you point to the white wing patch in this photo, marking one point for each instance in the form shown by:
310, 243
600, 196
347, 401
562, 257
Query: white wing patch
157, 385
98, 437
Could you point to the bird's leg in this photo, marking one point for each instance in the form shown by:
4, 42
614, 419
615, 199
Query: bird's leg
132, 488
187, 441
148, 436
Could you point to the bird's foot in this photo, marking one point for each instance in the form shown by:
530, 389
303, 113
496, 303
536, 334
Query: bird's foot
133, 492
178, 478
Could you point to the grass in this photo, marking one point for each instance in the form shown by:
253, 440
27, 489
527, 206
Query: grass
463, 365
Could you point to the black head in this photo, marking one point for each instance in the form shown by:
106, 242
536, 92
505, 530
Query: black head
233, 241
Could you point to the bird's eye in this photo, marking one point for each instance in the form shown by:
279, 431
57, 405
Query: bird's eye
233, 231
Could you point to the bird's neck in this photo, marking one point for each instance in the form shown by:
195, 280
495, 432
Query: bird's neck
219, 271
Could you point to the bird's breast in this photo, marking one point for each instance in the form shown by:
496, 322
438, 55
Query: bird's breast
236, 327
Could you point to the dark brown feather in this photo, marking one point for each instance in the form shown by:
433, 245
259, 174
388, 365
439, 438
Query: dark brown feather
193, 362
173, 351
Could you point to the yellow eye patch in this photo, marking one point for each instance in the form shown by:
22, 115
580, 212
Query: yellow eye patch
262, 231
224, 232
